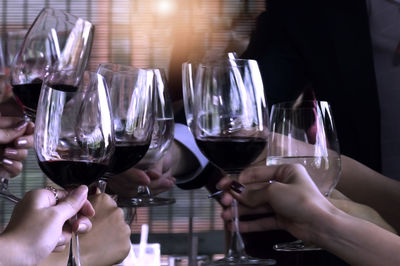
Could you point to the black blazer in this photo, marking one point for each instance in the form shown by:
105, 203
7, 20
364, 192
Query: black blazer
326, 44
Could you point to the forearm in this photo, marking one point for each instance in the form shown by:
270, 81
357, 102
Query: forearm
368, 187
356, 241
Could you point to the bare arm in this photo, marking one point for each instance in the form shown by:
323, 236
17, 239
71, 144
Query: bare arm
366, 186
303, 211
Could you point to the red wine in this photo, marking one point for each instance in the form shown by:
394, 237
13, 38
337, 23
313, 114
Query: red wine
127, 155
27, 95
63, 87
69, 173
231, 154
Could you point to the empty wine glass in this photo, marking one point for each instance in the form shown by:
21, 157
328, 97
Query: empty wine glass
131, 96
230, 125
304, 132
56, 40
74, 136
162, 137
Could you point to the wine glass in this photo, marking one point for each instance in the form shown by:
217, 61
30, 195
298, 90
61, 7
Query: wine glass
188, 77
304, 132
230, 125
132, 99
74, 135
56, 40
161, 140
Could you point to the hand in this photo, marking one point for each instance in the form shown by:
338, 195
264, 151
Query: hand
292, 195
38, 225
158, 178
16, 137
108, 242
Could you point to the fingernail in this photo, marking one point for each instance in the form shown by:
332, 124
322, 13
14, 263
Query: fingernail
237, 187
82, 228
21, 125
7, 162
22, 142
9, 151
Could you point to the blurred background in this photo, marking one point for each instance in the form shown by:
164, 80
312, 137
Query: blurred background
147, 33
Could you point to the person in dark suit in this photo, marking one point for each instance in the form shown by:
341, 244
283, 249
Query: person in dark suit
326, 46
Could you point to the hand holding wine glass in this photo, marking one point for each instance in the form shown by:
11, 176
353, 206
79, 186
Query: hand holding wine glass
230, 125
161, 140
304, 132
74, 136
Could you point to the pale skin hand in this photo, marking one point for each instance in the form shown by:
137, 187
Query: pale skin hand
107, 243
16, 137
38, 225
303, 211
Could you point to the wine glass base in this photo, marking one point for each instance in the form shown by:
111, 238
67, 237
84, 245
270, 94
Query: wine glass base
242, 261
297, 245
144, 201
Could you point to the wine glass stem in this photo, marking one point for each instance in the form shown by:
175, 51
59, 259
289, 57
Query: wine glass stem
102, 184
143, 191
5, 193
236, 247
74, 258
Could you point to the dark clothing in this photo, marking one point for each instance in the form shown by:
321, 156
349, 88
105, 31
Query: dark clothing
327, 45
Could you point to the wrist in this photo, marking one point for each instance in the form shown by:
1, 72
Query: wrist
16, 252
324, 228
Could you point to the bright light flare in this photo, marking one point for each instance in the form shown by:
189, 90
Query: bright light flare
166, 7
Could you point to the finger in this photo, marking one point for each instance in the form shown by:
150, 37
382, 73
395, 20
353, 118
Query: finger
59, 248
154, 174
81, 225
15, 154
224, 183
71, 204
65, 236
162, 185
87, 209
14, 168
10, 121
24, 142
9, 134
30, 129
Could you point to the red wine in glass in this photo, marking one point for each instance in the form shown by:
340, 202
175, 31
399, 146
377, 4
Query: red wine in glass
126, 155
67, 173
231, 154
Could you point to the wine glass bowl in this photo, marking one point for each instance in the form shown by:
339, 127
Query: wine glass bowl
56, 40
74, 137
131, 96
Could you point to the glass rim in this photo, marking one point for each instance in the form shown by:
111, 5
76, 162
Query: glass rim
294, 105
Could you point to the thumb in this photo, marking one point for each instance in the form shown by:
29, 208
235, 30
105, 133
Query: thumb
71, 205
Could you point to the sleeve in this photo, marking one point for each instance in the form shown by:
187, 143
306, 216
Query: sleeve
184, 136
